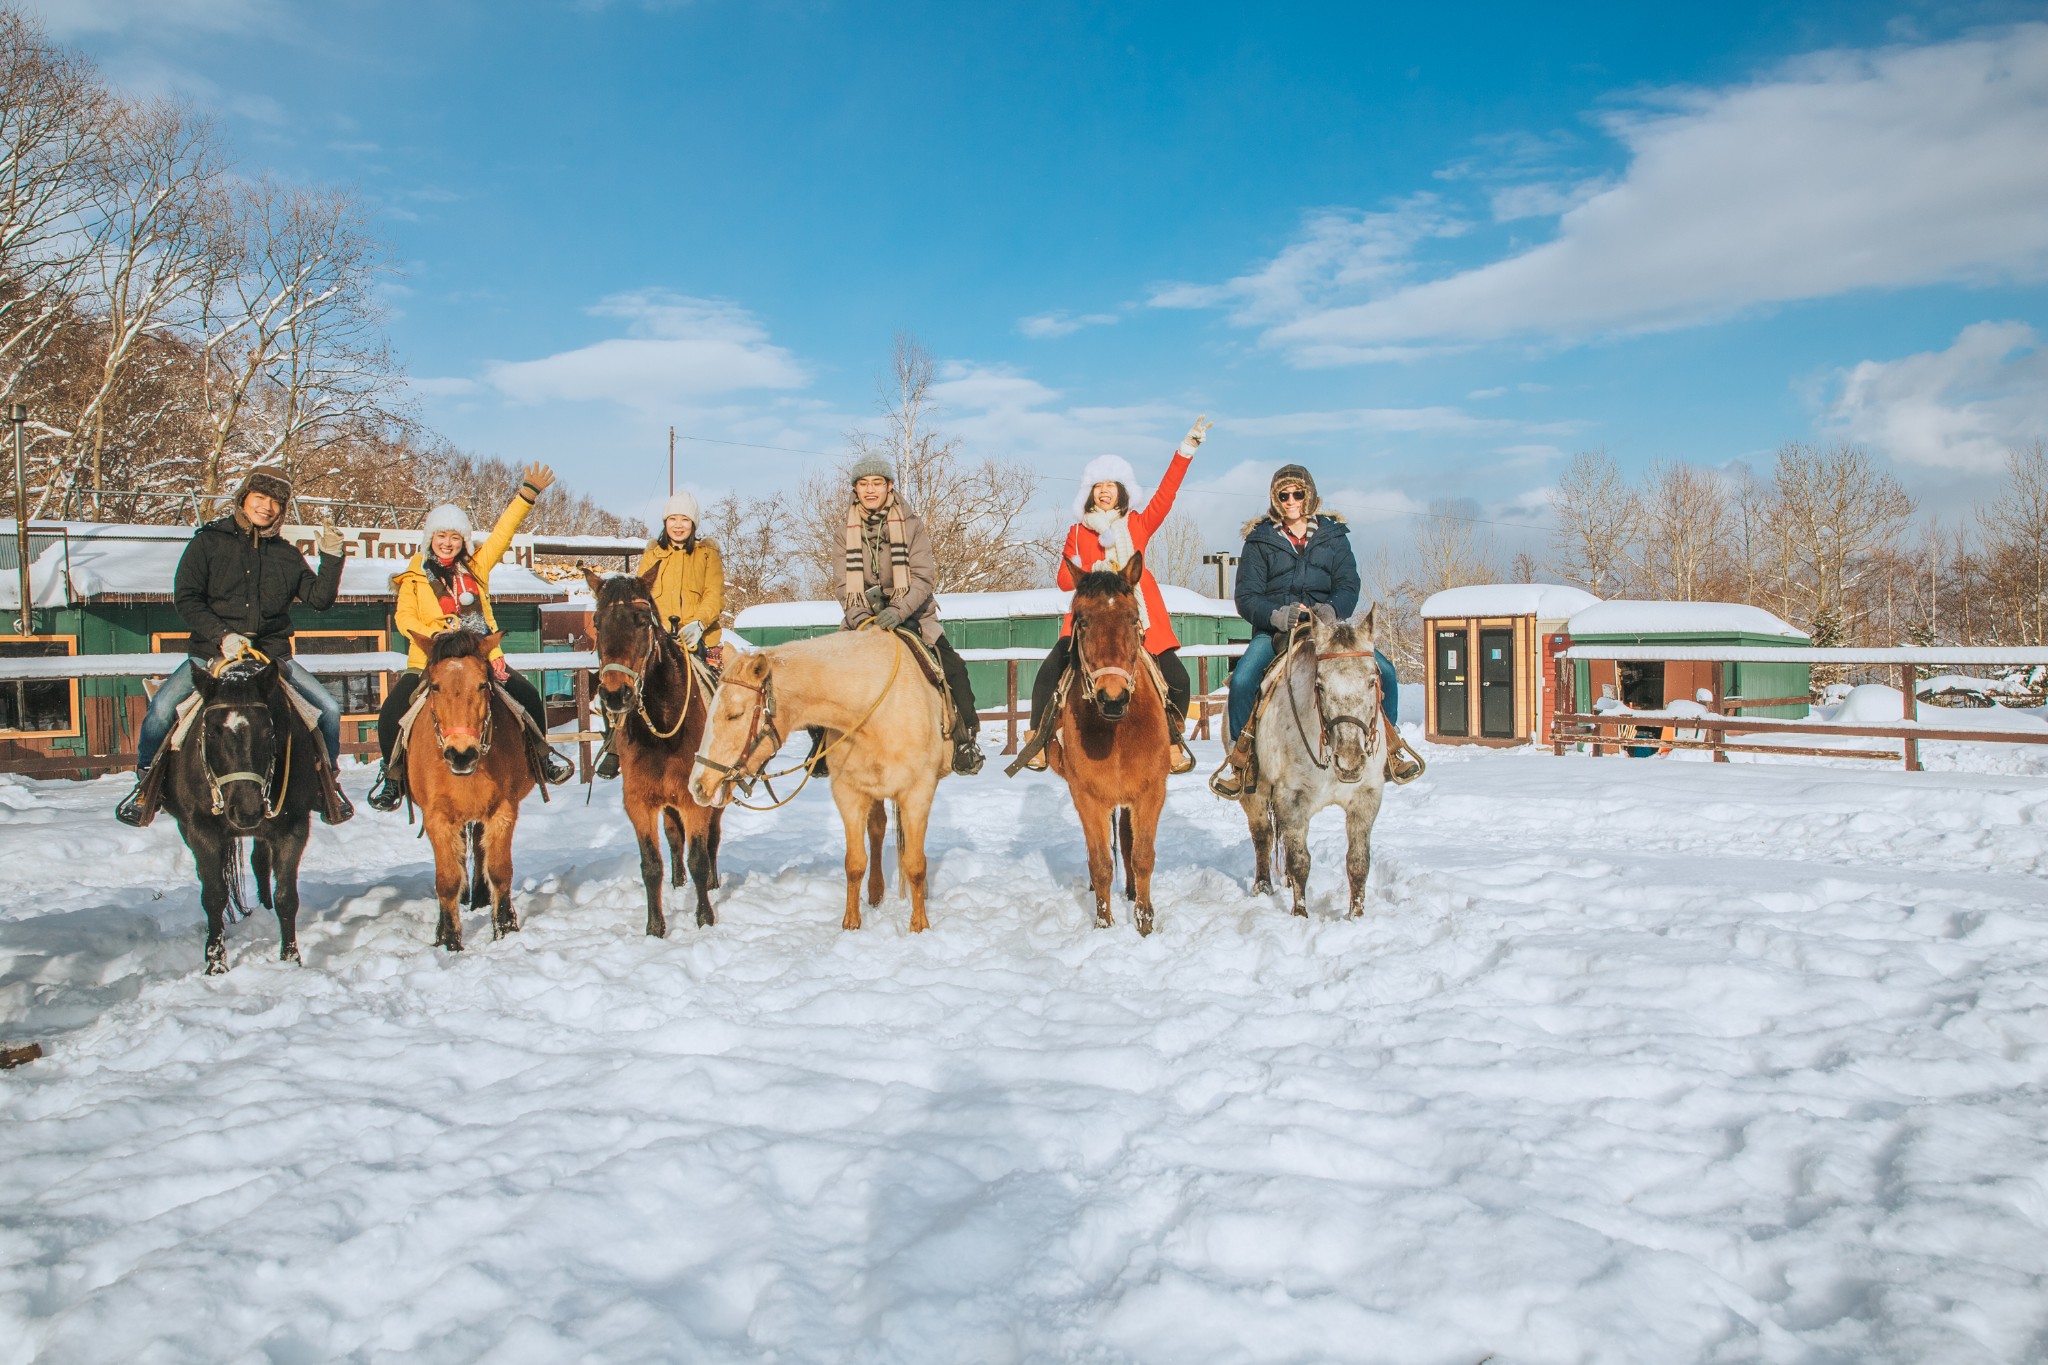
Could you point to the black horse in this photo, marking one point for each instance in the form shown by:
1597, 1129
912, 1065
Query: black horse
246, 769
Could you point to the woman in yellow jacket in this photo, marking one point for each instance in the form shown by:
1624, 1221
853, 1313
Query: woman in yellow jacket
688, 585
447, 586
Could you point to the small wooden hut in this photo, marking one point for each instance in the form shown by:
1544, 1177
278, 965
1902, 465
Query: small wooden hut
1487, 651
1686, 626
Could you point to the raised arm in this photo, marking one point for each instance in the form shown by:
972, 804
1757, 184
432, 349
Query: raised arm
1159, 506
538, 477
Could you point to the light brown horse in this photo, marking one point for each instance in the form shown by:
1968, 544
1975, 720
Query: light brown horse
888, 744
1112, 742
656, 708
466, 767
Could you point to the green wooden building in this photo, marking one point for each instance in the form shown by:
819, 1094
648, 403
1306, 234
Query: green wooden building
1684, 626
104, 589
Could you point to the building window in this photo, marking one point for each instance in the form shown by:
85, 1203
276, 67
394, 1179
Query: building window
360, 694
43, 708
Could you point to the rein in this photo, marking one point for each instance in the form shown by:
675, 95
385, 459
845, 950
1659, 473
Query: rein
1323, 753
1090, 676
636, 679
735, 775
216, 781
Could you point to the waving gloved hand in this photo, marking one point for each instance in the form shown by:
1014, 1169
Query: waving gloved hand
1196, 434
692, 633
328, 539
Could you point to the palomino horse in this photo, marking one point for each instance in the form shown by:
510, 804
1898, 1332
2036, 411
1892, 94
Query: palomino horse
657, 706
1112, 742
245, 770
1320, 744
468, 782
889, 744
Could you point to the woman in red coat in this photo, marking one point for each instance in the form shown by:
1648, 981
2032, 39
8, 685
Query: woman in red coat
1106, 532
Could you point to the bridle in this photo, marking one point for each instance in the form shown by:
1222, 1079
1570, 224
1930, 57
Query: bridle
636, 679
483, 739
741, 774
216, 781
1323, 753
1090, 676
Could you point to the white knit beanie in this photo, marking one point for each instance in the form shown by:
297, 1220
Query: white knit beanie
446, 517
680, 504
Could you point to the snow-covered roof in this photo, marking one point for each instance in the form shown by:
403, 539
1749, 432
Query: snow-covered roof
975, 606
108, 560
1679, 618
1544, 601
590, 545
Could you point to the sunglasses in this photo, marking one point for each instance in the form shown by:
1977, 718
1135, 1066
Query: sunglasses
1292, 495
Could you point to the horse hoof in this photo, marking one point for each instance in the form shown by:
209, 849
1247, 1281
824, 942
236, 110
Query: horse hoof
216, 966
289, 953
1262, 888
706, 918
1144, 918
1104, 920
1302, 911
657, 928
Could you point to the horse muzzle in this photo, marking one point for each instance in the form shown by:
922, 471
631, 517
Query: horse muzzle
461, 752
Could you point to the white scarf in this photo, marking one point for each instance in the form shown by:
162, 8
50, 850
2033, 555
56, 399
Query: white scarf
1113, 529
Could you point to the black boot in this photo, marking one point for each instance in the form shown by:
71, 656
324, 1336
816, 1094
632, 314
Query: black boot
386, 793
554, 767
966, 753
816, 759
608, 764
138, 807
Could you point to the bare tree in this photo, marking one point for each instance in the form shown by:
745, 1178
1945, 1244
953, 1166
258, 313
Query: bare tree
1174, 554
752, 538
1684, 520
1523, 567
1447, 553
291, 340
2015, 532
1832, 514
1597, 521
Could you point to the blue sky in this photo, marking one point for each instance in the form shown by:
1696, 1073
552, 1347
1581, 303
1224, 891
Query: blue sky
1428, 251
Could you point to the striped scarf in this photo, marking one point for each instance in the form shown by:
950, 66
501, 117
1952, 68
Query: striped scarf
889, 532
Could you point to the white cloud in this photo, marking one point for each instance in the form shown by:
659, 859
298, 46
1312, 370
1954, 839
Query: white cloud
1843, 171
1044, 326
1962, 408
676, 348
65, 19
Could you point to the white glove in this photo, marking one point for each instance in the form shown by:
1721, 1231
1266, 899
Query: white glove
1101, 566
1193, 439
693, 633
329, 540
233, 646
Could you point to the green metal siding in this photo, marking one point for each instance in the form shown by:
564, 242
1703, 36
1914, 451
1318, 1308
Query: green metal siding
1741, 680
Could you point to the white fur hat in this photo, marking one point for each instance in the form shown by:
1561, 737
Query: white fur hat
447, 517
1108, 469
680, 504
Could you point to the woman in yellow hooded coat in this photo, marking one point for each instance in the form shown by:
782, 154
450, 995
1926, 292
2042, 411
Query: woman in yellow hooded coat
688, 589
446, 586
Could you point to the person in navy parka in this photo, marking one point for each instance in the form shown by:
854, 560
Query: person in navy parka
1295, 557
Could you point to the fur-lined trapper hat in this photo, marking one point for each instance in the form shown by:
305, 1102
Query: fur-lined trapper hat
1108, 469
871, 466
268, 480
446, 517
1292, 474
680, 504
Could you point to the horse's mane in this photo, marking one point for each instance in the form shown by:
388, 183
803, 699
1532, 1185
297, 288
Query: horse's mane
1344, 636
618, 588
456, 644
1102, 583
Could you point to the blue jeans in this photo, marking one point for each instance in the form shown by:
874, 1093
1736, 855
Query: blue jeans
1258, 657
163, 709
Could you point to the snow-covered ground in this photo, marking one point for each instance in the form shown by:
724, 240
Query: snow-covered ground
1630, 1061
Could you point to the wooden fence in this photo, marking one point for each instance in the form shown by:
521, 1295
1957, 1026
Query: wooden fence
1722, 731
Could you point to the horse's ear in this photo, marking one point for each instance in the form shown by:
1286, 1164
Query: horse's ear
491, 641
425, 642
1362, 621
593, 578
266, 677
203, 679
648, 575
1134, 568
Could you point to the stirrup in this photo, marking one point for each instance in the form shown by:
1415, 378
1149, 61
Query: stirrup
138, 807
335, 808
386, 794
1038, 761
967, 756
1238, 776
555, 769
1180, 758
1404, 765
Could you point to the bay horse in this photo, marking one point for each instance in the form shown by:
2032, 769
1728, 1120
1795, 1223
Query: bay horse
1112, 741
468, 781
656, 706
1320, 743
246, 769
889, 744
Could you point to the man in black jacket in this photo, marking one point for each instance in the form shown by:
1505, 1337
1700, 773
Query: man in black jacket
235, 587
1295, 557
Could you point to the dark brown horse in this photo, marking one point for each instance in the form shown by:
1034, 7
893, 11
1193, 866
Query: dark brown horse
466, 767
1112, 742
245, 770
656, 707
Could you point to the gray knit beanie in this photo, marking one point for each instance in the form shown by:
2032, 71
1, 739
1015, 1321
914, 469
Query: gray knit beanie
870, 466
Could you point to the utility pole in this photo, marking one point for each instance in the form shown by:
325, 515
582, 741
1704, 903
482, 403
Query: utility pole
1222, 559
671, 461
17, 416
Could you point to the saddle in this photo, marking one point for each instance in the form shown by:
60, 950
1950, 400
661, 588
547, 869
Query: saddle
928, 664
1057, 708
529, 731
